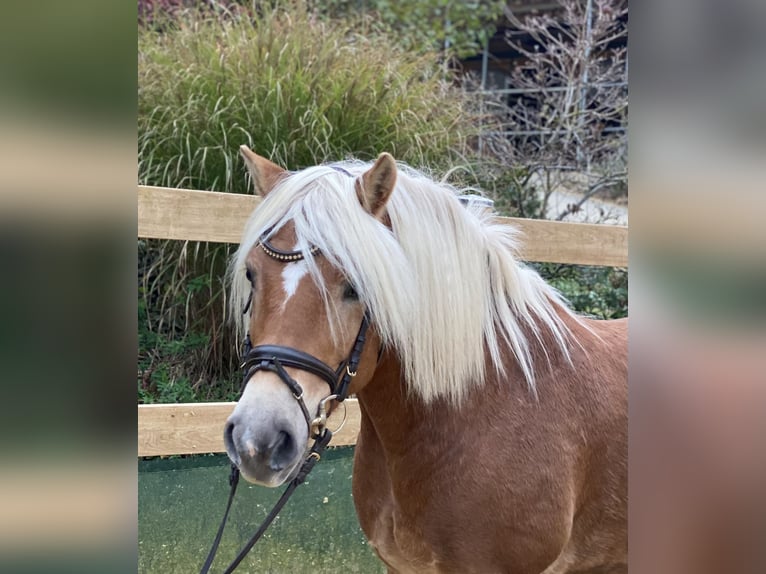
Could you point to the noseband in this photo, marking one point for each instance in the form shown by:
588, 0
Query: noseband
275, 358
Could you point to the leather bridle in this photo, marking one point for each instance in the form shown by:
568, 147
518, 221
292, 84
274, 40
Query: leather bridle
275, 358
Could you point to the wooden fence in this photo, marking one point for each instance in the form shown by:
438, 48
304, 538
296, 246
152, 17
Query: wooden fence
163, 213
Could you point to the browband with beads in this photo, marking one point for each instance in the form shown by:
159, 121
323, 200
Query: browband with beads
286, 256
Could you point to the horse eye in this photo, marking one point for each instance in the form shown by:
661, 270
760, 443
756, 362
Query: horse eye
350, 293
249, 276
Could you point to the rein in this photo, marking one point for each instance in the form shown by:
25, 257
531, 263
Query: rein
275, 358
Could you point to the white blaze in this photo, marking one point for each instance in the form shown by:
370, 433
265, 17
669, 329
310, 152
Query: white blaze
291, 276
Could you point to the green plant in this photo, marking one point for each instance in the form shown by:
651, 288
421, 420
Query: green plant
300, 89
168, 366
598, 291
458, 29
508, 187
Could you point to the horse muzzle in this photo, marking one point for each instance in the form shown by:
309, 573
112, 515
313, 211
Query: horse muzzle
266, 452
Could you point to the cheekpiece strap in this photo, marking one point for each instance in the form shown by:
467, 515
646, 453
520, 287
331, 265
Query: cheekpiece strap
350, 367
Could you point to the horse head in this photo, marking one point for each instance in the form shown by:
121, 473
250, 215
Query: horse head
307, 325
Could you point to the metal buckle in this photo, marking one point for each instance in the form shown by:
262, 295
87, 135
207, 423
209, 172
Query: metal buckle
320, 422
349, 373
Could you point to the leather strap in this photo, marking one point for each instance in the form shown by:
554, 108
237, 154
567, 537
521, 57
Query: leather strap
320, 444
233, 482
265, 357
282, 255
289, 357
354, 358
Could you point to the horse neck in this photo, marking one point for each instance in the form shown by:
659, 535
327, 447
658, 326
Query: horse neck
400, 420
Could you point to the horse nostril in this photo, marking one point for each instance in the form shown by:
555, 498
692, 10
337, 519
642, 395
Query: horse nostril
228, 441
282, 451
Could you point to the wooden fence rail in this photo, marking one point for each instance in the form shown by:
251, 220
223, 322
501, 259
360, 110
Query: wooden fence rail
197, 428
165, 213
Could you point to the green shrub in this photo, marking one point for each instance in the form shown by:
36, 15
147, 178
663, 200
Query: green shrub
297, 88
598, 291
458, 29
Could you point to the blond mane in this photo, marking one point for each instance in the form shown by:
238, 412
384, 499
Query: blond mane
443, 284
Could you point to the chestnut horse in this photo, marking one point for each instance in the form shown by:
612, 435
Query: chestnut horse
494, 419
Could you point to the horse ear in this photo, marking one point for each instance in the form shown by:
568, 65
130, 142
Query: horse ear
375, 185
264, 173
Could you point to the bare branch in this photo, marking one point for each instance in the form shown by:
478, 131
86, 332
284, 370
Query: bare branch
565, 114
593, 190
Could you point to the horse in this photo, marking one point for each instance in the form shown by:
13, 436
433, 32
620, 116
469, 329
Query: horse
493, 430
